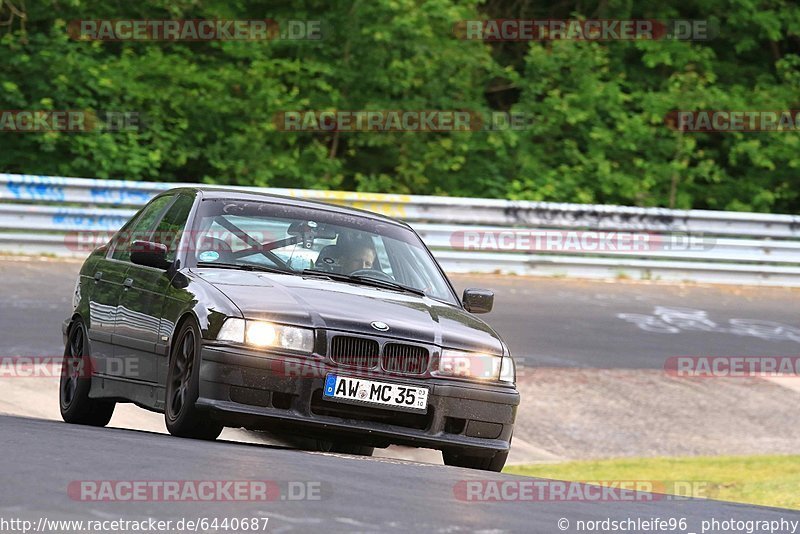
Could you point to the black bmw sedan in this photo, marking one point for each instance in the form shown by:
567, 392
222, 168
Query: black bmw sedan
241, 309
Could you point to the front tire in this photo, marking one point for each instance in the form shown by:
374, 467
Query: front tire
76, 380
182, 417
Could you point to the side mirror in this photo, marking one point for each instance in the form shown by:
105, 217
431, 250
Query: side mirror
150, 254
478, 300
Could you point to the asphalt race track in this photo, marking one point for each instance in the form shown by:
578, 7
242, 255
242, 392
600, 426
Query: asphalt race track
548, 323
41, 459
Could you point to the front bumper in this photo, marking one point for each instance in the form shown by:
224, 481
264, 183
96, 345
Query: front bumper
282, 393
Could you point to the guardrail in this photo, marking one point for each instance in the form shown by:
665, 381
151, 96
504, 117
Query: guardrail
42, 214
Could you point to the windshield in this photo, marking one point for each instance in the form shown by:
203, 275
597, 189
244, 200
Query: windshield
315, 242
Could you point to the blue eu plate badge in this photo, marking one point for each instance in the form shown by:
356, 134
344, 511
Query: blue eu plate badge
330, 384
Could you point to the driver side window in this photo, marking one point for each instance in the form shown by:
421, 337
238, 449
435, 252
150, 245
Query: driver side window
170, 229
142, 229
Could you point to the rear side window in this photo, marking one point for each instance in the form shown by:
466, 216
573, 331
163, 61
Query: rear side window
142, 229
170, 229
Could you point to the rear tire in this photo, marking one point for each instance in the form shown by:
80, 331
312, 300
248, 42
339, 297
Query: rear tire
76, 380
182, 417
484, 463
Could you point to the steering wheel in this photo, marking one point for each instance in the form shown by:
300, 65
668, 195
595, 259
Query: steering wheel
372, 273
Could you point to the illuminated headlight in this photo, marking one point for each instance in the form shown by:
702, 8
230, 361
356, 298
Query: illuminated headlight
476, 365
263, 334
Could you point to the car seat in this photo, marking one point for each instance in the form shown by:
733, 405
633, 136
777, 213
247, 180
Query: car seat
329, 258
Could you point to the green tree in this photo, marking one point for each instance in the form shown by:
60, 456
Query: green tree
598, 132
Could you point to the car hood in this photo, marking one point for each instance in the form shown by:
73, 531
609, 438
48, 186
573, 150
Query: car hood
321, 303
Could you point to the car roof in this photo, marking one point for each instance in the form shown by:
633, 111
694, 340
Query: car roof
258, 196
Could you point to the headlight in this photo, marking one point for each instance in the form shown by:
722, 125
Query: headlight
263, 334
475, 365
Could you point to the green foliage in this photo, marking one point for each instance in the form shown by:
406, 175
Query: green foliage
597, 135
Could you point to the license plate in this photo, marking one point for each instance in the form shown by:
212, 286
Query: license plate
358, 390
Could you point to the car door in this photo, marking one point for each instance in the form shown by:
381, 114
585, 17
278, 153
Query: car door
139, 329
129, 357
108, 274
106, 287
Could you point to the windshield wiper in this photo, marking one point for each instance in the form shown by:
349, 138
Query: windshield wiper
326, 274
365, 280
245, 267
387, 283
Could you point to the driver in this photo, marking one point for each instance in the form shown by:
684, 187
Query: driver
356, 257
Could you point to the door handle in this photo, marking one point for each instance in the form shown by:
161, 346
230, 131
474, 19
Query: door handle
98, 275
128, 283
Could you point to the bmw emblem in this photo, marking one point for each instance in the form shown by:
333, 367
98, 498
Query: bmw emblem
377, 325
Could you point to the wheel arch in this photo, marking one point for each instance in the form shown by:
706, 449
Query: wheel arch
188, 315
69, 323
76, 316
